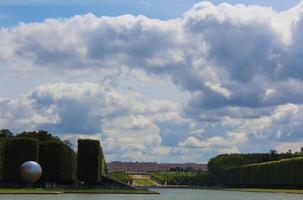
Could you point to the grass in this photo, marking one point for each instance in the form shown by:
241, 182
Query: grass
73, 191
108, 191
29, 191
143, 182
289, 191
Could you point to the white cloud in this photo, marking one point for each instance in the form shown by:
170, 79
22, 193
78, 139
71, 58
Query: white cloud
231, 139
286, 146
239, 65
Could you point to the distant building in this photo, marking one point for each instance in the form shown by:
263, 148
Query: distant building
145, 167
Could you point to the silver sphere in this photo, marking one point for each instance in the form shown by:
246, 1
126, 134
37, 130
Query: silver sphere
30, 171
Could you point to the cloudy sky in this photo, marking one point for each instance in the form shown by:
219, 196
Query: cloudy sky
166, 81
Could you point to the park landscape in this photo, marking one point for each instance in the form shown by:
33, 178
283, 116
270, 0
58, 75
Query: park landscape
151, 99
66, 172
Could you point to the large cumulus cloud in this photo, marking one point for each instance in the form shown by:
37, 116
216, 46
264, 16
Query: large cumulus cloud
229, 55
241, 67
119, 117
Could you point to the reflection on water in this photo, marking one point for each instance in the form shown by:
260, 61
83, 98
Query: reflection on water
166, 194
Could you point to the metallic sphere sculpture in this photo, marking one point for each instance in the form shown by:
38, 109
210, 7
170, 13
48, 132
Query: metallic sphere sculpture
30, 171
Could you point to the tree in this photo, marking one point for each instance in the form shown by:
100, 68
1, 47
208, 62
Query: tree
273, 152
5, 133
41, 135
68, 143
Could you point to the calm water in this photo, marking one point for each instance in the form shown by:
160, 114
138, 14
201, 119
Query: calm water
167, 194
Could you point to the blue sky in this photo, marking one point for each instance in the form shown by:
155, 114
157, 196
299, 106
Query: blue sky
14, 12
155, 80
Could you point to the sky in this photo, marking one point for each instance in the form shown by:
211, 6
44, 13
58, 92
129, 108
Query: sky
165, 81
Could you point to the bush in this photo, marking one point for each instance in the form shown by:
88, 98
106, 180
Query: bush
89, 162
17, 151
58, 162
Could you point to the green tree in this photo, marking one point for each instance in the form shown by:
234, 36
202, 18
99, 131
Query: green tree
6, 133
41, 135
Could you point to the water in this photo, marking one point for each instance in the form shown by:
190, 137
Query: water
167, 194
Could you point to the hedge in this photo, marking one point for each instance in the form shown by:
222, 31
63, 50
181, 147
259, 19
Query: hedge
89, 162
103, 163
18, 151
122, 176
286, 173
184, 178
58, 162
2, 149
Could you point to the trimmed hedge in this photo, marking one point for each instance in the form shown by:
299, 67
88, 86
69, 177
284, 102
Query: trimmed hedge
103, 163
184, 178
17, 151
122, 176
218, 164
89, 162
58, 162
2, 150
286, 173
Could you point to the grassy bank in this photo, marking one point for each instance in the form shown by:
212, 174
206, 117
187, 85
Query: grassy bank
29, 191
108, 191
289, 191
72, 191
217, 188
144, 182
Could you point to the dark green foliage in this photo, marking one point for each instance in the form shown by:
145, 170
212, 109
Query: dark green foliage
102, 163
122, 176
89, 162
5, 133
2, 149
58, 162
218, 164
41, 135
181, 169
17, 151
184, 178
283, 173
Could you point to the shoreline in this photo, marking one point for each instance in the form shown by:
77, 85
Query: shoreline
215, 188
264, 190
39, 191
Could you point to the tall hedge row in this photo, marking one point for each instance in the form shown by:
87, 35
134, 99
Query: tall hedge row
102, 163
17, 151
58, 162
89, 161
2, 150
283, 173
